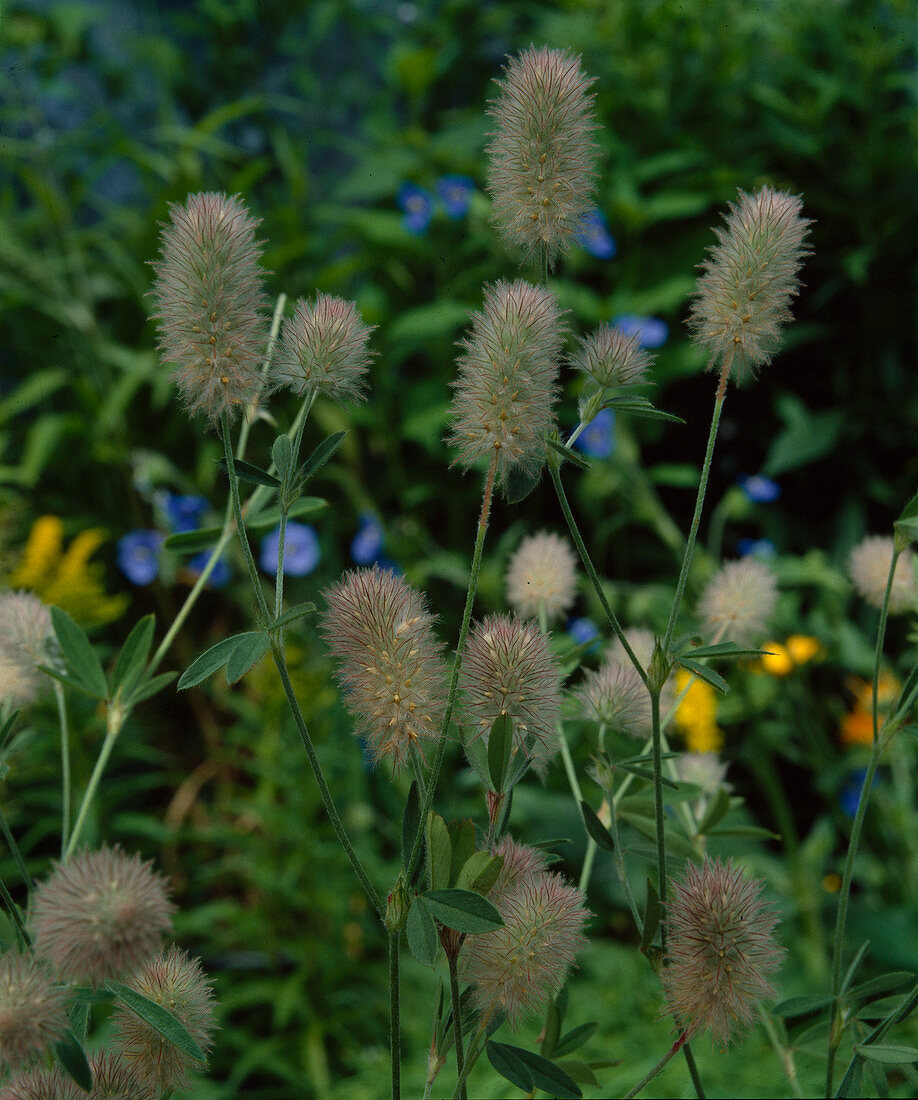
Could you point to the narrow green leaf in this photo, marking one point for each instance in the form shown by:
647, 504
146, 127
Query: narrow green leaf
480, 872
208, 663
411, 821
158, 1018
268, 519
463, 910
246, 471
910, 511
282, 454
888, 1053
150, 687
462, 838
596, 829
574, 1039
883, 984
500, 746
572, 456
6, 729
855, 963
80, 655
133, 655
852, 1084
190, 542
721, 651
908, 527
72, 1057
544, 1074
439, 852
248, 651
640, 406
706, 674
292, 615
653, 911
423, 941
551, 1031
70, 681
321, 455
579, 1071
647, 773
749, 832
801, 1006
504, 1060
718, 809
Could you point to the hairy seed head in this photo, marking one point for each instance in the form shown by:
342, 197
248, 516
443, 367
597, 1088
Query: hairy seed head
508, 378
99, 915
390, 663
542, 574
721, 950
868, 568
323, 350
748, 280
210, 300
508, 669
39, 1083
738, 601
176, 982
542, 156
25, 641
615, 696
520, 862
32, 1009
519, 968
610, 359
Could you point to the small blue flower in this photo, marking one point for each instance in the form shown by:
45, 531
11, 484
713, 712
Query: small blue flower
138, 556
598, 438
455, 192
387, 565
849, 796
759, 489
594, 236
757, 548
583, 631
367, 544
301, 550
185, 512
650, 331
418, 204
220, 573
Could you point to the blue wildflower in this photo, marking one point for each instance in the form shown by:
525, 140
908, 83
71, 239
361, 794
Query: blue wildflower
185, 512
582, 631
650, 331
367, 544
220, 573
598, 438
138, 556
301, 550
418, 204
455, 192
850, 795
759, 489
758, 548
594, 236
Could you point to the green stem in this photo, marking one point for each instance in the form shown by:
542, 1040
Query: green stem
113, 726
14, 850
483, 517
65, 761
658, 807
648, 1077
13, 908
699, 504
475, 1048
322, 784
590, 568
856, 829
620, 864
457, 1023
395, 1042
785, 1054
279, 577
264, 614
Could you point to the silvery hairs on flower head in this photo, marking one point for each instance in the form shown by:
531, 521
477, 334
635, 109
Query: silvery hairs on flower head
542, 156
210, 301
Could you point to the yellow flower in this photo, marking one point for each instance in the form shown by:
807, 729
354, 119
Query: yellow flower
803, 648
696, 715
777, 661
781, 660
66, 578
857, 726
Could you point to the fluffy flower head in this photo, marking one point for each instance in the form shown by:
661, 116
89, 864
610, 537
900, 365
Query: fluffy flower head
25, 638
508, 378
177, 982
721, 950
615, 696
508, 669
323, 350
99, 915
210, 299
542, 573
748, 280
390, 666
32, 1009
542, 156
868, 568
738, 601
519, 968
611, 358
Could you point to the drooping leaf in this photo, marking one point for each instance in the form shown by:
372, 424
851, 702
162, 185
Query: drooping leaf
596, 829
423, 941
81, 657
706, 674
69, 1052
159, 1018
542, 1073
463, 910
248, 651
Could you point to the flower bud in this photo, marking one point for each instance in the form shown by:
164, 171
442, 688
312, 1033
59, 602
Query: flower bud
748, 280
542, 156
210, 300
611, 360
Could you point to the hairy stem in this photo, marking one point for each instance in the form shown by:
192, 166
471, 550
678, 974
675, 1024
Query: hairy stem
457, 1023
648, 1077
395, 1040
114, 722
61, 700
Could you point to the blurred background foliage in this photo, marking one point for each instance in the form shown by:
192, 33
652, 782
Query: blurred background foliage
319, 112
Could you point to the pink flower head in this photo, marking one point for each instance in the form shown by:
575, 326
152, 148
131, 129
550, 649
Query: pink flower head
32, 1009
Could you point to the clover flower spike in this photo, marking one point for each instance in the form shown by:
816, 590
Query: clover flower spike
738, 601
542, 574
868, 568
32, 1009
